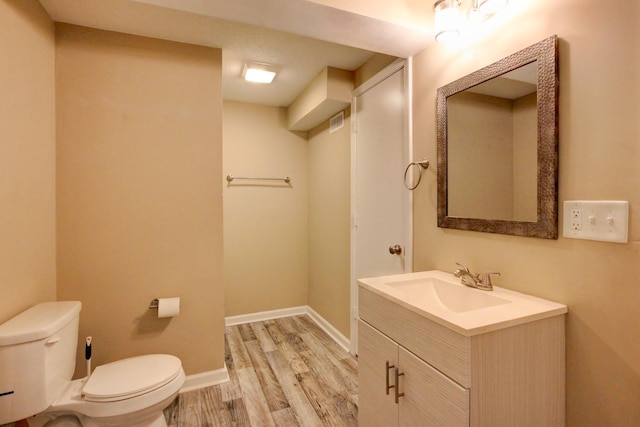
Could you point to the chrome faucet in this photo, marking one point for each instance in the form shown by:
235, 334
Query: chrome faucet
473, 280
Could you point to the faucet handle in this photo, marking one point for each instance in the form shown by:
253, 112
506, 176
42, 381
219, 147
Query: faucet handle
486, 279
463, 267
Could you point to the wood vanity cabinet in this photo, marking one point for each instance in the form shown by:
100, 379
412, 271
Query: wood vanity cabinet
421, 387
508, 377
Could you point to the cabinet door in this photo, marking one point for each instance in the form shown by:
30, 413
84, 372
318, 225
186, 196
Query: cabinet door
375, 406
430, 397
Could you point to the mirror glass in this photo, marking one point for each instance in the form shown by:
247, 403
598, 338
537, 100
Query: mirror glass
492, 148
497, 146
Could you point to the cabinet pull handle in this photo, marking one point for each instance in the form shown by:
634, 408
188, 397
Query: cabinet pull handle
389, 387
397, 390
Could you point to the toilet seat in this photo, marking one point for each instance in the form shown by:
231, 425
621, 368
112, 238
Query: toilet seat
73, 401
128, 378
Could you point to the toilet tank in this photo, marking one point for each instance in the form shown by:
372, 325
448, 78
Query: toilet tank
37, 358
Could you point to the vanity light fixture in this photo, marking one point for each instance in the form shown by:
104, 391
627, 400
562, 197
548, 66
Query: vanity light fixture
489, 7
447, 19
259, 73
447, 15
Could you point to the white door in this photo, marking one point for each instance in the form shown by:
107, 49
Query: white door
381, 205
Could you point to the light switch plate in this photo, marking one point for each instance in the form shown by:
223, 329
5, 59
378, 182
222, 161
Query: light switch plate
603, 220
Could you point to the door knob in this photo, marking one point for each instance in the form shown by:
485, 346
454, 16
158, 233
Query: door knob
395, 250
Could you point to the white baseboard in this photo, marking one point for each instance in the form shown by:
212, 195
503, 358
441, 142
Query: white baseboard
219, 376
205, 379
265, 315
335, 334
340, 339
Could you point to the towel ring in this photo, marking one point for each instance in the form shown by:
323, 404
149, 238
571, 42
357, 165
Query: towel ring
422, 165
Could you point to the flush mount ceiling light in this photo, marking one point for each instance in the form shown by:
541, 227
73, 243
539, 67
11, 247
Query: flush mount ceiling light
447, 15
259, 73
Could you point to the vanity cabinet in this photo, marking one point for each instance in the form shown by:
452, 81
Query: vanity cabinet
388, 373
513, 376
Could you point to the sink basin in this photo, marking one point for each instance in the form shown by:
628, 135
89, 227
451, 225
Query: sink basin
441, 297
454, 297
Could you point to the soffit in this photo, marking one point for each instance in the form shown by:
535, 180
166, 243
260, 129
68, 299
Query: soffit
301, 37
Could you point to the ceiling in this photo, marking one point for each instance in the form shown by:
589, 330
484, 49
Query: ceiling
299, 36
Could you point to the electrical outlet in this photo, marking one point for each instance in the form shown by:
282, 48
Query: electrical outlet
606, 221
576, 219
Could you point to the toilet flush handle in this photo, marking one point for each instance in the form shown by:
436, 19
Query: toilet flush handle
54, 339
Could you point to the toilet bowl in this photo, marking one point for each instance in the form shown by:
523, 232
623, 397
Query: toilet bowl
37, 360
129, 392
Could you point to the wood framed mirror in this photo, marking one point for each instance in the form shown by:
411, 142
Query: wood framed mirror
497, 142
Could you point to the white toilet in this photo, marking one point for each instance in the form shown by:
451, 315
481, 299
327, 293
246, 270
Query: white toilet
37, 360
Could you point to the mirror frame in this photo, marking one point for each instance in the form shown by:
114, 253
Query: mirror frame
546, 226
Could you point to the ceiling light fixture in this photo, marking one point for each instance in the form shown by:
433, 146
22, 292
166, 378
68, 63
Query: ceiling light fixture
447, 15
259, 73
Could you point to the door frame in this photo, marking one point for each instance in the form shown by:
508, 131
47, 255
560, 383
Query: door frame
404, 66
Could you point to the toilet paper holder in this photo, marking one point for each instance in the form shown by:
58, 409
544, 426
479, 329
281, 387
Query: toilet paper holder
166, 307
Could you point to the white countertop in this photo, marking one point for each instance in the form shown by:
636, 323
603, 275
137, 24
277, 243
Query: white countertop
440, 297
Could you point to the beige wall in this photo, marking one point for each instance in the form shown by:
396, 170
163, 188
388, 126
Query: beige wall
286, 246
27, 157
329, 230
265, 223
139, 205
372, 66
599, 158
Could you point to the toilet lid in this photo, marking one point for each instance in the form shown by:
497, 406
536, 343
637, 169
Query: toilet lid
131, 377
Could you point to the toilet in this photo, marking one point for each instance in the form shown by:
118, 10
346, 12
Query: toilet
37, 361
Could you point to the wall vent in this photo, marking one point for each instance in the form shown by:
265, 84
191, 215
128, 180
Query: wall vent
336, 122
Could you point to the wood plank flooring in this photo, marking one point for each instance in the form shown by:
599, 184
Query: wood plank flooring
284, 372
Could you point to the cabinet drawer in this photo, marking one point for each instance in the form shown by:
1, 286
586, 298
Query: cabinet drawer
444, 349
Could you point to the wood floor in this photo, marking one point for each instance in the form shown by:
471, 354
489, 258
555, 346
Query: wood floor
284, 372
